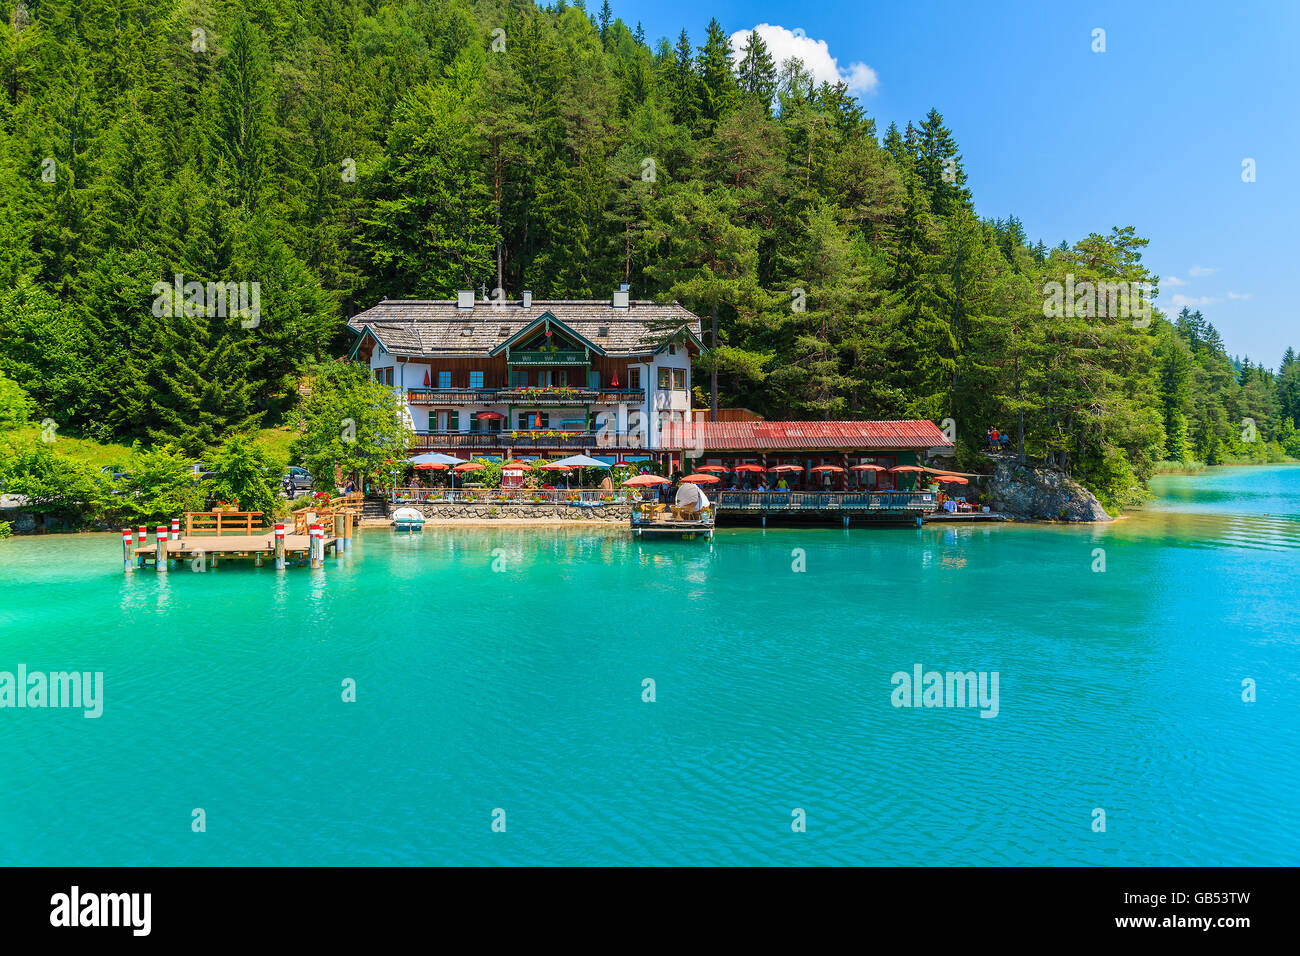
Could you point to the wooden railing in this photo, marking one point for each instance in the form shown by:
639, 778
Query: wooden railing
513, 496
220, 522
576, 440
323, 512
825, 500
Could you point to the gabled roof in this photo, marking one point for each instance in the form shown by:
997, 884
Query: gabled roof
546, 320
777, 436
418, 327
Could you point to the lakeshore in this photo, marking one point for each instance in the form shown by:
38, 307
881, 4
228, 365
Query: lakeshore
476, 648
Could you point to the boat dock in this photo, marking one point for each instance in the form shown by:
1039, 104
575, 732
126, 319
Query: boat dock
213, 537
662, 521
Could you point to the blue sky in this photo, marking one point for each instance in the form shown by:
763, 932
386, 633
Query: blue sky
1151, 133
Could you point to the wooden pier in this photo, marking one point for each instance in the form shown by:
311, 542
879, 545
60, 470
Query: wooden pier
260, 548
662, 521
315, 530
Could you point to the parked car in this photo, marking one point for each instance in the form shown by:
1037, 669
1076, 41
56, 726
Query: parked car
115, 476
296, 480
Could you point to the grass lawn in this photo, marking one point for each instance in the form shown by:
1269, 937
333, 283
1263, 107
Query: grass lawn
275, 441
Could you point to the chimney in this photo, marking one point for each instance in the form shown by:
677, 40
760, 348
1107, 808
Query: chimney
465, 300
526, 299
620, 299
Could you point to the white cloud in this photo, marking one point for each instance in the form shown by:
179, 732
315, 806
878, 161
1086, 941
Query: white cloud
1238, 295
815, 54
1173, 281
1191, 301
1197, 272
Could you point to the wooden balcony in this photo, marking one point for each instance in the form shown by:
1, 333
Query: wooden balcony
452, 396
526, 441
532, 396
558, 357
840, 502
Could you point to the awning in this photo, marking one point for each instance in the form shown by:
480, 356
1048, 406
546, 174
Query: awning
489, 415
949, 471
580, 461
434, 458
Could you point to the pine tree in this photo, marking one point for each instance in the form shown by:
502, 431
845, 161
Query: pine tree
756, 72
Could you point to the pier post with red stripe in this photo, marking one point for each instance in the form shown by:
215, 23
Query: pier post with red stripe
126, 550
160, 561
279, 545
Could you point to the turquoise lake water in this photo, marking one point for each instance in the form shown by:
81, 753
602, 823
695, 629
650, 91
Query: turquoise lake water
520, 688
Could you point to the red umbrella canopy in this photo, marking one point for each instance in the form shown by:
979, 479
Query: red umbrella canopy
954, 480
517, 464
430, 467
713, 469
700, 479
645, 481
469, 466
786, 468
555, 467
820, 469
745, 468
867, 468
489, 415
900, 468
426, 378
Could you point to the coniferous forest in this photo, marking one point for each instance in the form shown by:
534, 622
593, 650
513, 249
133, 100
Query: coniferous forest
337, 152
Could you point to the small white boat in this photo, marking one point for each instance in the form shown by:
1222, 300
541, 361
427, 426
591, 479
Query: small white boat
407, 519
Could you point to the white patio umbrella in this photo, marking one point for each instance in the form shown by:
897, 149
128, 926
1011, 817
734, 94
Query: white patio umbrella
435, 458
578, 461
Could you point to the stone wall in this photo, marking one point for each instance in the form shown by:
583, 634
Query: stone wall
441, 511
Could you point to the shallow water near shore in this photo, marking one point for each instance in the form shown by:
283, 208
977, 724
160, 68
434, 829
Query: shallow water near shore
504, 668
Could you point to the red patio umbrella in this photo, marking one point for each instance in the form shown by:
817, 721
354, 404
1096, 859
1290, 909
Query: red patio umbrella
713, 469
645, 481
820, 469
489, 415
426, 378
469, 466
897, 469
953, 480
430, 467
786, 468
746, 468
700, 479
556, 467
867, 468
517, 464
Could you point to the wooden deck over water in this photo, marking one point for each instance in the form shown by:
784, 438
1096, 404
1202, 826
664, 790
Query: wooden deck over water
233, 545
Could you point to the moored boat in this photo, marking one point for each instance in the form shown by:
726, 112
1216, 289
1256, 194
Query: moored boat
407, 519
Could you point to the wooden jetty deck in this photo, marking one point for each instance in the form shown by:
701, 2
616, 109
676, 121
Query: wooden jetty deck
662, 521
235, 546
314, 531
962, 517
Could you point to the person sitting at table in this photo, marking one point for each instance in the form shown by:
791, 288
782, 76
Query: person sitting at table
781, 485
762, 485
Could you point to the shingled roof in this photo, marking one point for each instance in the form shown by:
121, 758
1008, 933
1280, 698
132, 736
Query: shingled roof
439, 328
774, 436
